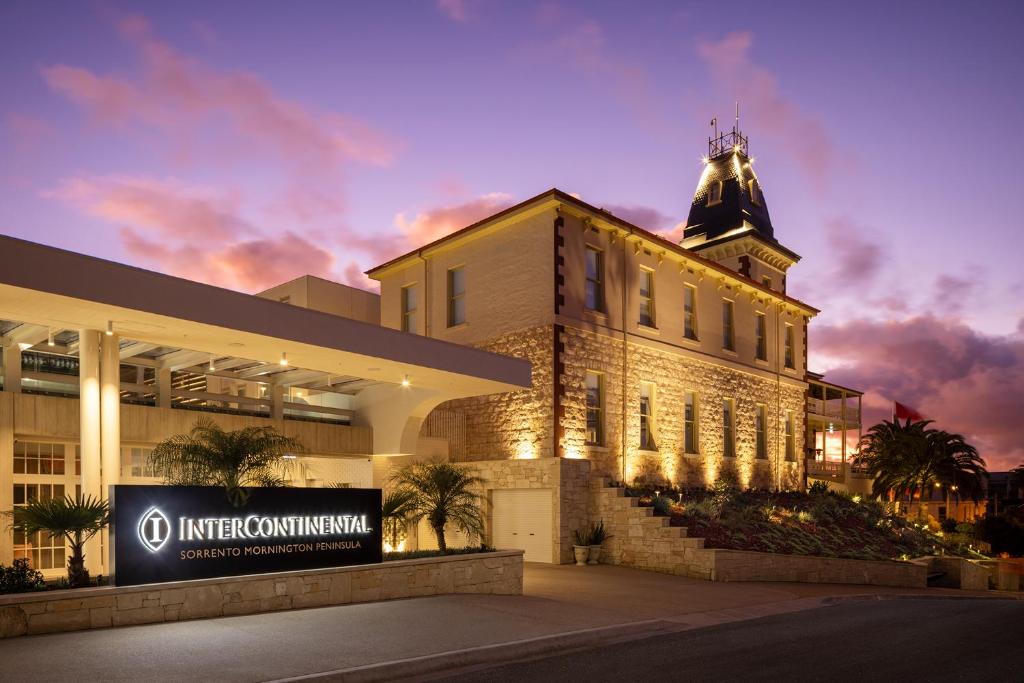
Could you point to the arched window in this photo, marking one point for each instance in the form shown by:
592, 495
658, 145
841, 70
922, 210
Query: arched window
755, 192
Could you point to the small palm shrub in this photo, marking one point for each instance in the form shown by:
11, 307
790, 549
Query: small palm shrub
20, 578
443, 493
75, 520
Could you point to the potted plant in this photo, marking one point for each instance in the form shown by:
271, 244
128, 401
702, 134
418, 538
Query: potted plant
581, 546
597, 538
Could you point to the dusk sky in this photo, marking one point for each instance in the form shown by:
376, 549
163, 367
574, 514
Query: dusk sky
244, 144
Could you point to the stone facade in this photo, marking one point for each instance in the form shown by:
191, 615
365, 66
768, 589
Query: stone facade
497, 573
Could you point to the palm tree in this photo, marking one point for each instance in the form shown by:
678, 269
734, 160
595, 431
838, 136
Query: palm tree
397, 513
211, 456
443, 494
76, 520
912, 458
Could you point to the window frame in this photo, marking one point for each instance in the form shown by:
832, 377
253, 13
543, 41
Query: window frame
456, 297
407, 312
715, 191
790, 436
728, 428
754, 188
598, 280
729, 325
652, 314
760, 336
599, 409
789, 353
648, 420
761, 432
690, 323
691, 426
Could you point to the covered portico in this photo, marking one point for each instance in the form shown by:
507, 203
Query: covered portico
116, 338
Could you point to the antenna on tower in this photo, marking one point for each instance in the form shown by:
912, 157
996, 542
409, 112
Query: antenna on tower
736, 128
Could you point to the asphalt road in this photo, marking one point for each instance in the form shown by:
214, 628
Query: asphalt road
890, 640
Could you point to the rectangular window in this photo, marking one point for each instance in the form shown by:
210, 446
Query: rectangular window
760, 333
728, 330
790, 353
790, 442
42, 550
690, 312
761, 432
456, 296
595, 279
715, 193
728, 428
647, 426
38, 458
647, 297
766, 281
690, 435
595, 409
410, 306
135, 462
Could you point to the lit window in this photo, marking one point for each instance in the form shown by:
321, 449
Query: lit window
38, 458
456, 296
755, 192
760, 332
715, 193
595, 409
42, 550
790, 354
790, 442
728, 428
690, 312
691, 442
409, 309
728, 329
647, 426
760, 430
647, 297
595, 279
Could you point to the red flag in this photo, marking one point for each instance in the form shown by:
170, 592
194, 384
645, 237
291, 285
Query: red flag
902, 412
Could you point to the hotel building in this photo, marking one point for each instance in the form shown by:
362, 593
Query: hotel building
554, 346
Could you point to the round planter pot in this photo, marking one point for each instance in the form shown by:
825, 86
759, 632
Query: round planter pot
594, 556
581, 552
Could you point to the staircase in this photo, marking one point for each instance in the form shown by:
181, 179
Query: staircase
641, 540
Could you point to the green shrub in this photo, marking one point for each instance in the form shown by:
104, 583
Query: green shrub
20, 578
818, 488
662, 505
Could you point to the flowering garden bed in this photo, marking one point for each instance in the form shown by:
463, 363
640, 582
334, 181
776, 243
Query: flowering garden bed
795, 523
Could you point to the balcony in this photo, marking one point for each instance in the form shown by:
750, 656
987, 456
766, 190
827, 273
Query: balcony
825, 469
833, 408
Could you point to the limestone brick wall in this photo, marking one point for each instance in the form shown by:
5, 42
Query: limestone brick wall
497, 573
739, 565
568, 480
516, 424
673, 373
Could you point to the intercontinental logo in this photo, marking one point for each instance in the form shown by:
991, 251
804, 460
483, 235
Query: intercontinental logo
155, 529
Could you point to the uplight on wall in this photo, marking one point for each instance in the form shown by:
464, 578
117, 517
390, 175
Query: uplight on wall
49, 337
284, 359
110, 328
405, 381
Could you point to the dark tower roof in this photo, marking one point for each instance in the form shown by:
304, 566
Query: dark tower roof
729, 193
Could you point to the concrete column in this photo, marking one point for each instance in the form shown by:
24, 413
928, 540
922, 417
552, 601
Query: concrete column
89, 415
6, 469
277, 395
163, 387
12, 368
110, 423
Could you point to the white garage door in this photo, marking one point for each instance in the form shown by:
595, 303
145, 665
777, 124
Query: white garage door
521, 519
453, 537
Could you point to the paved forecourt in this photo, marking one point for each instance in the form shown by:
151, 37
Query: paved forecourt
558, 599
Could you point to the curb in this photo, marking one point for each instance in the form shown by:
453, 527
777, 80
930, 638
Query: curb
491, 655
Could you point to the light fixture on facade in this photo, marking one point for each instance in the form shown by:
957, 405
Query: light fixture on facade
212, 367
284, 360
290, 456
405, 381
110, 328
831, 428
49, 337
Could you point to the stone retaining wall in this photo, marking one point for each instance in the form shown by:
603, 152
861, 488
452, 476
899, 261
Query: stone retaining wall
497, 573
718, 564
958, 572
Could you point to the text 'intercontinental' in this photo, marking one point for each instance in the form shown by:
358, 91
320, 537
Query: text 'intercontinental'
255, 526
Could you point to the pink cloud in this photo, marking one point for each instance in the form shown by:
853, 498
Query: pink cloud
167, 207
759, 94
856, 258
643, 216
436, 222
175, 94
456, 10
967, 381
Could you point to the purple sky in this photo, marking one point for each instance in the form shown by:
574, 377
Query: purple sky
244, 144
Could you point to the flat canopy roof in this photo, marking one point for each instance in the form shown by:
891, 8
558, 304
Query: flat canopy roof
68, 291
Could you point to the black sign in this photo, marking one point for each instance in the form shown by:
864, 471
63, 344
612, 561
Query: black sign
175, 533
